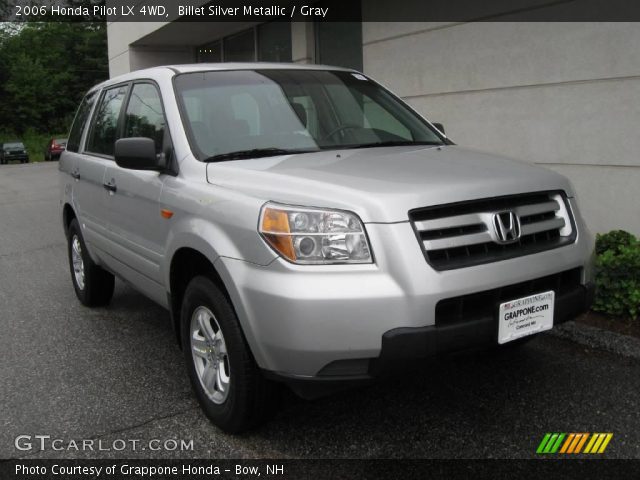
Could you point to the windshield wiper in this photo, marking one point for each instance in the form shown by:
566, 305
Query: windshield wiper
253, 153
393, 143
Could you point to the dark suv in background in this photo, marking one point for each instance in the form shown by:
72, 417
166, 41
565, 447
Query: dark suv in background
13, 151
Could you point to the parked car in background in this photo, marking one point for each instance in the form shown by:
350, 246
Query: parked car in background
54, 149
13, 151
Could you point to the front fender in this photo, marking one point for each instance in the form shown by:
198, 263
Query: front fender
211, 240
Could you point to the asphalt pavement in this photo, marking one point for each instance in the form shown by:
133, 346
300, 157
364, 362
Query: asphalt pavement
116, 374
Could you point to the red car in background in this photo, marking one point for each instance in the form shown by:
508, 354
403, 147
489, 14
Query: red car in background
54, 149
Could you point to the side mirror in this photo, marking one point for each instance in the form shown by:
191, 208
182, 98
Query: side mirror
138, 153
439, 126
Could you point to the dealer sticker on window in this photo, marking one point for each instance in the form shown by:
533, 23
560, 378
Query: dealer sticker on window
525, 316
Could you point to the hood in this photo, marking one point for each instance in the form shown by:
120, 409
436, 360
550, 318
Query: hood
382, 184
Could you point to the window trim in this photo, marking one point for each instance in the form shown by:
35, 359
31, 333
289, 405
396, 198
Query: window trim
158, 91
171, 169
88, 121
118, 124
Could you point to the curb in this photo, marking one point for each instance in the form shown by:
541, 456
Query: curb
594, 337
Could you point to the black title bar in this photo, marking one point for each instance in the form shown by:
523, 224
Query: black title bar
322, 10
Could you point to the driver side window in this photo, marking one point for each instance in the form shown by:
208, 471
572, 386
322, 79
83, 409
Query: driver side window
105, 129
144, 116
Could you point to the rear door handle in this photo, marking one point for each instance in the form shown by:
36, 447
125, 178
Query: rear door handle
111, 187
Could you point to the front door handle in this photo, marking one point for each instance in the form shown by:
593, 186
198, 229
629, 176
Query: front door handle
110, 186
75, 174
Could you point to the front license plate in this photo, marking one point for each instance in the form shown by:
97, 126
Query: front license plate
525, 316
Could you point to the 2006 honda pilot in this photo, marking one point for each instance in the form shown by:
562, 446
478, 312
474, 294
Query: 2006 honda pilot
304, 225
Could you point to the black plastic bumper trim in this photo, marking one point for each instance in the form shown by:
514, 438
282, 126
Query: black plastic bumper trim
402, 344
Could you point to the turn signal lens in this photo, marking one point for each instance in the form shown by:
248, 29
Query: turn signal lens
315, 236
275, 229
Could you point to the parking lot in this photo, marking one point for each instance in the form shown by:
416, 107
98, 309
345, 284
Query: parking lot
117, 373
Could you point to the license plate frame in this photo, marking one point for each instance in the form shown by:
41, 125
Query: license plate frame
525, 316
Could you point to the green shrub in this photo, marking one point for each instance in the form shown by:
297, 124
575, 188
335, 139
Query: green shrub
614, 240
618, 274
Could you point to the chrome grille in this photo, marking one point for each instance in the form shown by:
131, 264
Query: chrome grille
464, 234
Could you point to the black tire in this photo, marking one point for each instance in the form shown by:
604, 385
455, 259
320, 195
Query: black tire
98, 283
250, 399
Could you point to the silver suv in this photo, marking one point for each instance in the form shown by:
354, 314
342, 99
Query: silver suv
304, 226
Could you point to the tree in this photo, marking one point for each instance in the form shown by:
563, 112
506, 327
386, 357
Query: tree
45, 69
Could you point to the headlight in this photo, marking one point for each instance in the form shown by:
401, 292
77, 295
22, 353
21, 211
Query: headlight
314, 235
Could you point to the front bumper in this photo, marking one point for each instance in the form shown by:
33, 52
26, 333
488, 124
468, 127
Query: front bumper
16, 158
410, 344
404, 347
313, 322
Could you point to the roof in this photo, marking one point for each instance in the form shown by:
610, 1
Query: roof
211, 67
200, 67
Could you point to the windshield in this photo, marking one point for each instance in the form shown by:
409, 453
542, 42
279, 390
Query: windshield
13, 145
292, 110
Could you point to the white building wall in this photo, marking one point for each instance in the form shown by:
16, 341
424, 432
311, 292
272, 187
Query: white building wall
561, 94
120, 36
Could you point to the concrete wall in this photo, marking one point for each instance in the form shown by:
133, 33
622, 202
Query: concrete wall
566, 95
120, 36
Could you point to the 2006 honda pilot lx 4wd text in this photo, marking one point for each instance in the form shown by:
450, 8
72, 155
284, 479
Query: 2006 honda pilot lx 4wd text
303, 225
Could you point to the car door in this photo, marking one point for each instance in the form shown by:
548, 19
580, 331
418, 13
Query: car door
91, 166
135, 223
68, 166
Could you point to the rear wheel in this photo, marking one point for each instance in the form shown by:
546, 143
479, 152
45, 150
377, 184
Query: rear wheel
225, 378
92, 284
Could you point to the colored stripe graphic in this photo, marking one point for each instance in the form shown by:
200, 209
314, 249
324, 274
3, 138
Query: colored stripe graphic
573, 443
581, 443
550, 443
543, 443
567, 442
556, 446
606, 441
592, 442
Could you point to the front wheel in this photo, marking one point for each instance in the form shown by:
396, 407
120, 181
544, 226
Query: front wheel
92, 284
225, 378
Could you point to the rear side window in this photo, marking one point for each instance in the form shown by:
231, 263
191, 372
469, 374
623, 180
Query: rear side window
80, 121
105, 127
144, 116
